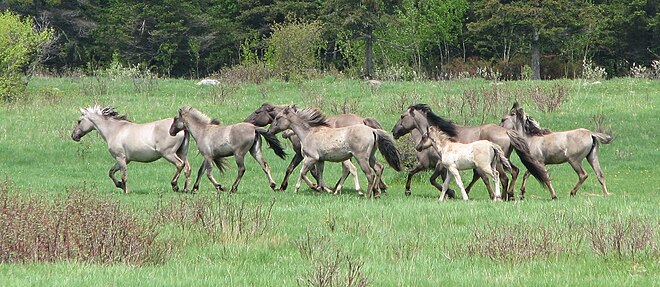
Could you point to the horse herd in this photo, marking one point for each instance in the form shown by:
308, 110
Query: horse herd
441, 145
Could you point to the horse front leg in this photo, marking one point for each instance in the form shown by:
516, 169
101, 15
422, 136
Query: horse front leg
445, 185
307, 164
116, 167
201, 170
419, 167
319, 173
297, 159
454, 172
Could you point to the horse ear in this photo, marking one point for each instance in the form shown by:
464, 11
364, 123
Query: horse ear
515, 105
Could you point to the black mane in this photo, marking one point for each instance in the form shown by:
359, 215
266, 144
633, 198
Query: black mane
445, 126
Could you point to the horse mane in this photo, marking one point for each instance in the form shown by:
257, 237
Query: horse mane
107, 112
440, 134
314, 117
201, 116
533, 128
445, 126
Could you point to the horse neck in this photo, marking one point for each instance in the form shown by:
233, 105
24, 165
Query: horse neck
104, 126
416, 135
440, 141
299, 127
196, 127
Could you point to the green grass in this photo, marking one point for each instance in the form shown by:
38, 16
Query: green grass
403, 241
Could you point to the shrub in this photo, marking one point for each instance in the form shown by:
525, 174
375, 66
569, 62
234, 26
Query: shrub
79, 227
293, 48
20, 44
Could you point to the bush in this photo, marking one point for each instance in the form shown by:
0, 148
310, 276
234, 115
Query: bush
20, 44
79, 227
294, 47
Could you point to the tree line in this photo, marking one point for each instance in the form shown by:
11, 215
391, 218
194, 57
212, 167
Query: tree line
537, 39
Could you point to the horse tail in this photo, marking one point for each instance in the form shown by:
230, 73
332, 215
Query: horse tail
535, 167
388, 149
602, 138
272, 141
372, 123
499, 155
219, 163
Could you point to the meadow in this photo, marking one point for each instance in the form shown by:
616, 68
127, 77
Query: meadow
257, 237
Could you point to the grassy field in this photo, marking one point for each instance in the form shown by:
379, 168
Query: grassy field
311, 239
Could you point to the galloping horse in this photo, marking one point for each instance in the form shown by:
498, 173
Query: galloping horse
556, 147
481, 155
420, 116
216, 142
129, 141
264, 116
428, 158
321, 143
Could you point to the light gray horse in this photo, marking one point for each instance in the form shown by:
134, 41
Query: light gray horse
216, 142
264, 116
482, 155
129, 141
322, 143
429, 158
556, 147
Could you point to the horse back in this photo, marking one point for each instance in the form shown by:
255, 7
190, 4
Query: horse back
338, 144
489, 132
562, 146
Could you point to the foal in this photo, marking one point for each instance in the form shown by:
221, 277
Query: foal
216, 142
481, 155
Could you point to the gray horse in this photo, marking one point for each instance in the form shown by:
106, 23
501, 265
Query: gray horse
129, 141
264, 116
321, 143
216, 142
549, 147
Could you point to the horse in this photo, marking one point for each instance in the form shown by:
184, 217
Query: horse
264, 116
215, 142
428, 158
549, 147
320, 143
482, 155
420, 116
128, 141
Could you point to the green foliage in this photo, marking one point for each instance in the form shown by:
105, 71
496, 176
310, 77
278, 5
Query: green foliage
293, 48
20, 44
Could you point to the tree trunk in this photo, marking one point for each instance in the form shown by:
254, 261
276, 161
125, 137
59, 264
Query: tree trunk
536, 56
368, 53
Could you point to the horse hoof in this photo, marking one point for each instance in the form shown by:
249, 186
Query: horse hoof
554, 198
175, 188
219, 188
408, 193
273, 186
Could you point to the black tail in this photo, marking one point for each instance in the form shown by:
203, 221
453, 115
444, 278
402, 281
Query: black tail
372, 123
219, 163
273, 142
536, 168
388, 149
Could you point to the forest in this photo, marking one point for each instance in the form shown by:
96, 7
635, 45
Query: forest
383, 39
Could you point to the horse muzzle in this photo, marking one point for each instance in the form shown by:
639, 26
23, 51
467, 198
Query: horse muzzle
75, 137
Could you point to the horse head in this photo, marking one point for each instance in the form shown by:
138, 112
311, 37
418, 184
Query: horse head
405, 124
83, 126
178, 124
264, 115
281, 121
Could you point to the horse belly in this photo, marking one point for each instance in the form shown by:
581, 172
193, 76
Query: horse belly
143, 155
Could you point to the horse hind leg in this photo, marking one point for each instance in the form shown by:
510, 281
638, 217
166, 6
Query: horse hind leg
582, 176
240, 164
592, 158
257, 155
